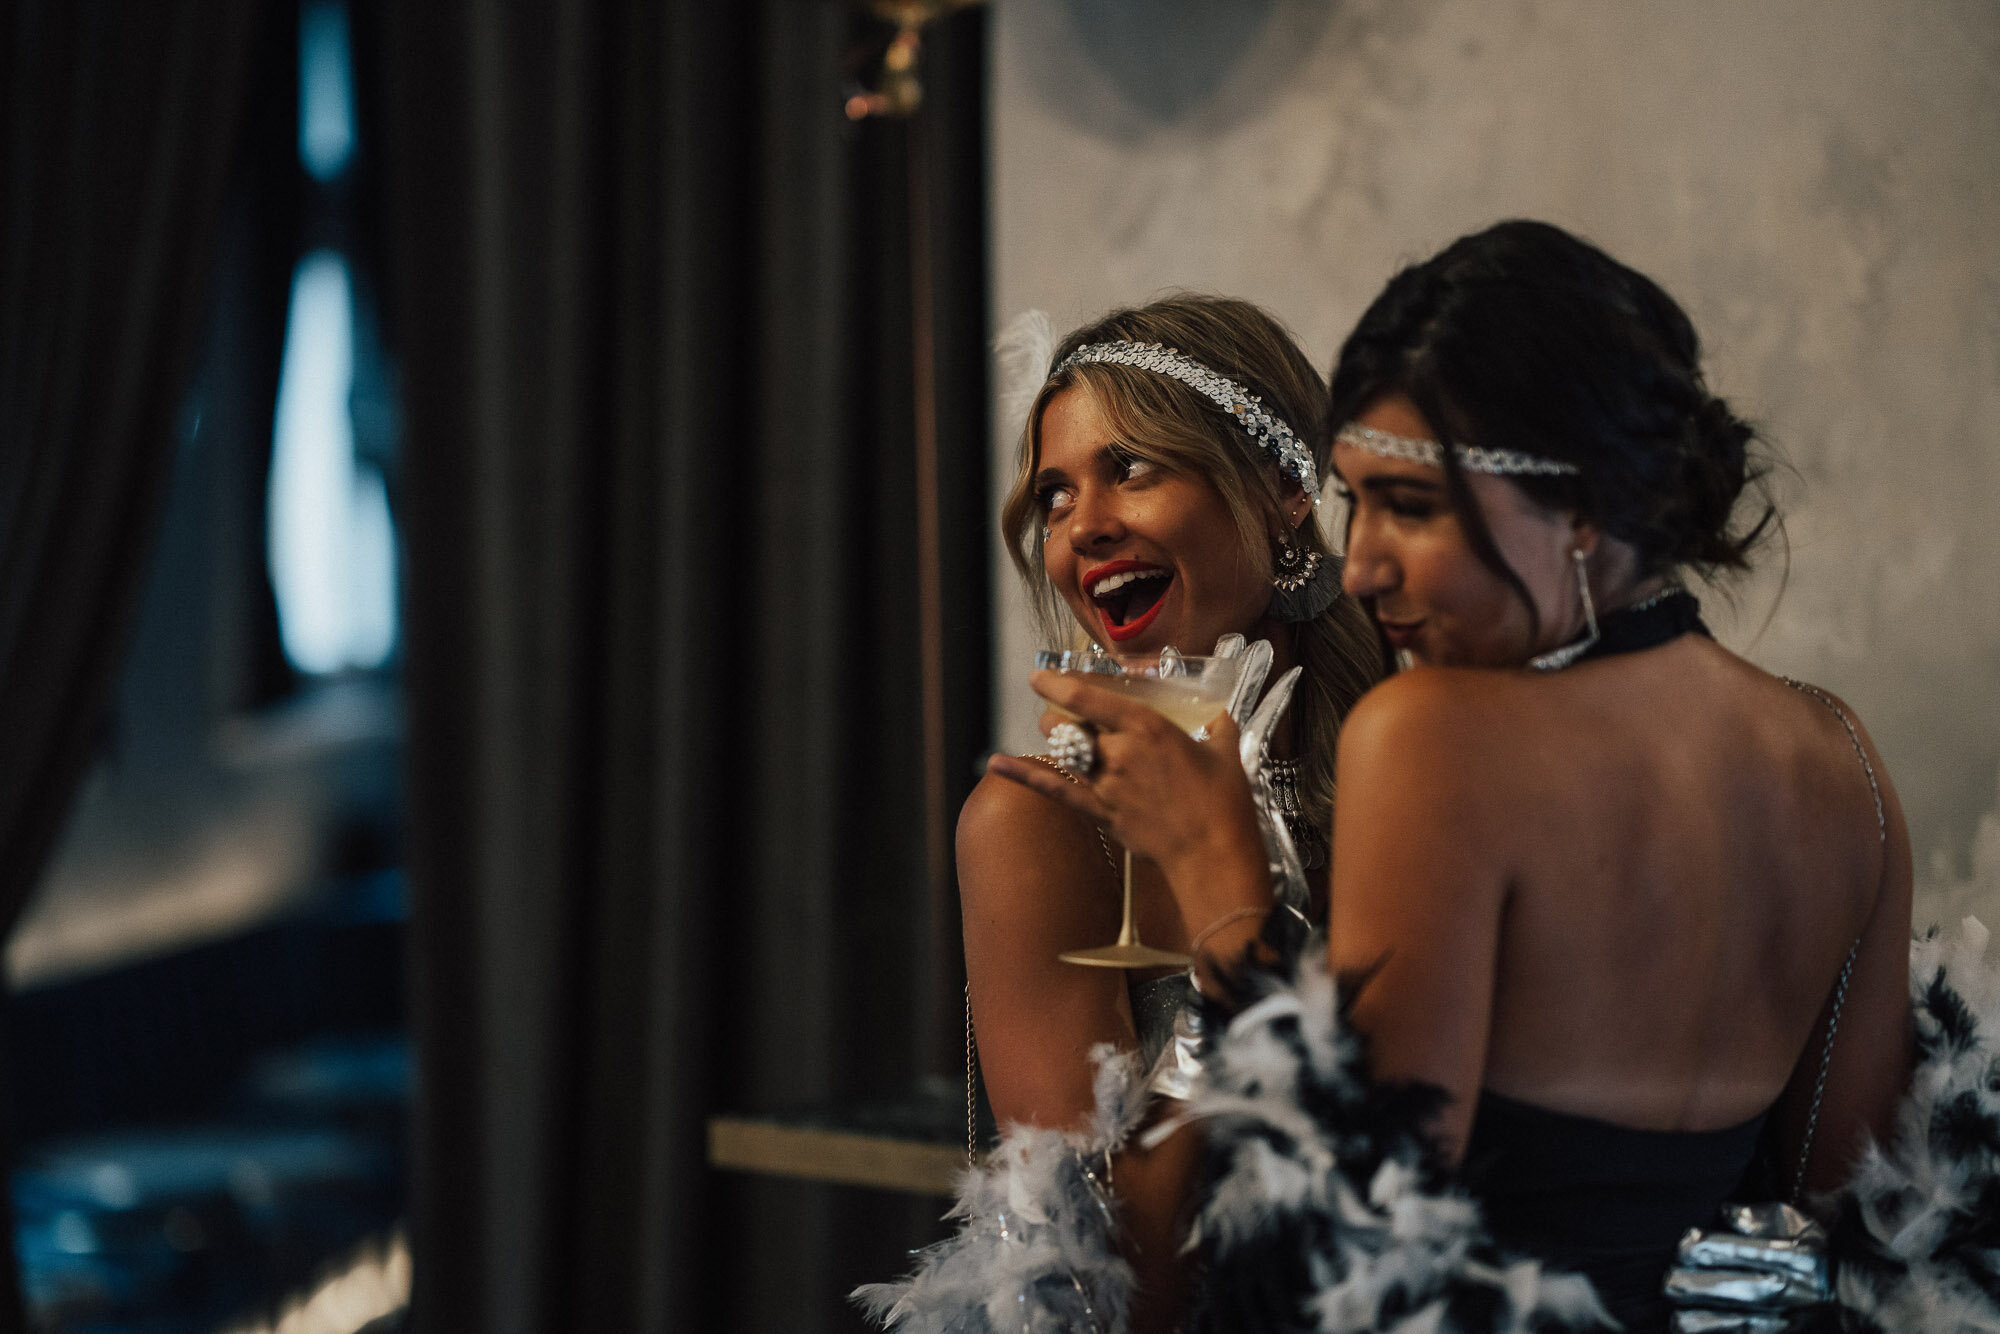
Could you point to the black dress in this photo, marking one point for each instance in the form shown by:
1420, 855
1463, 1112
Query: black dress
1603, 1200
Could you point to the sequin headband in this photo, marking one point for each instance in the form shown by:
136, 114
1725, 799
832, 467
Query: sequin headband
1472, 458
1269, 431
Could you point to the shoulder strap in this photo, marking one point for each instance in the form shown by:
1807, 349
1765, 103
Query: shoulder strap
1847, 968
1860, 751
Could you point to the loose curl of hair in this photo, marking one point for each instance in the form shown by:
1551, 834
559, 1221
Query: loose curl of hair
1524, 337
1157, 418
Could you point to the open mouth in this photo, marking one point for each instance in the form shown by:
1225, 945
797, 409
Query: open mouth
1127, 596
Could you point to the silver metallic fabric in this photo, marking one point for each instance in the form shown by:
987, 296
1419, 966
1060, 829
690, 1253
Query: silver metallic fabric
1178, 1065
1256, 721
1763, 1263
1724, 1322
1288, 872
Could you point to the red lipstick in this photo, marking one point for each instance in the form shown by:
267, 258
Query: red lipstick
1121, 633
1137, 625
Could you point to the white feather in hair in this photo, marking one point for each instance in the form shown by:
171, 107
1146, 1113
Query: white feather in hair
1022, 354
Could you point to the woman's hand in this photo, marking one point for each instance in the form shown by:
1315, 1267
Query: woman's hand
1182, 804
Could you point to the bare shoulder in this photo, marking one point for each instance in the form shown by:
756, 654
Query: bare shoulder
1004, 822
1844, 740
1031, 871
1836, 712
1429, 720
1427, 765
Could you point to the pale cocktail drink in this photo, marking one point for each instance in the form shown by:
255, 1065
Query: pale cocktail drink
1189, 693
1188, 703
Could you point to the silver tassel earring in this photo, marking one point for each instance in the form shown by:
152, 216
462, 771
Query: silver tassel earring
1558, 658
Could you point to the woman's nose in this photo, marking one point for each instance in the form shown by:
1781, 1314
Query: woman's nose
1094, 519
1368, 571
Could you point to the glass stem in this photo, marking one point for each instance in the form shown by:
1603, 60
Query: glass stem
1127, 934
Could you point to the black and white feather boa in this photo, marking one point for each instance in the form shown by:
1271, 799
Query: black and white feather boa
1915, 1234
1325, 1210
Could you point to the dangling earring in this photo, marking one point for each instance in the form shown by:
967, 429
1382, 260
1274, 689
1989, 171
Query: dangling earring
1305, 584
1558, 658
1297, 564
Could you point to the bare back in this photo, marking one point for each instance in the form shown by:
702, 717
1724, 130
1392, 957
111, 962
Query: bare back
1645, 875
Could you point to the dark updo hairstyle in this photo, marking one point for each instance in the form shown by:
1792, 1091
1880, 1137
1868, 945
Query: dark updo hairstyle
1523, 337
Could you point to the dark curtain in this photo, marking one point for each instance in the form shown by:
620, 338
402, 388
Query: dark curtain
650, 301
117, 122
235, 385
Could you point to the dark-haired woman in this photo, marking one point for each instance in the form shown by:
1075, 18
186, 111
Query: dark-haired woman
1625, 901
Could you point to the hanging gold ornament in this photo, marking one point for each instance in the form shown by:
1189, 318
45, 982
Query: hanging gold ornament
897, 91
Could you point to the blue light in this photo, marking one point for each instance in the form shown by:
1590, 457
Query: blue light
330, 542
326, 89
371, 575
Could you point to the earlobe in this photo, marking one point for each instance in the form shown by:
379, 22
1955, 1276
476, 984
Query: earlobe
1287, 518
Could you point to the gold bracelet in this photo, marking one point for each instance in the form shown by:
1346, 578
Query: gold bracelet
1194, 946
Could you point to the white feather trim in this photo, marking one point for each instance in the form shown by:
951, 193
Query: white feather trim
1915, 1240
1022, 355
1037, 1251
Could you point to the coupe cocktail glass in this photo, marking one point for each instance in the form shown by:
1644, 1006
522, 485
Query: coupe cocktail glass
1190, 693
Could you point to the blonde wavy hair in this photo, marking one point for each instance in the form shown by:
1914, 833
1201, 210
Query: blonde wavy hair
1159, 419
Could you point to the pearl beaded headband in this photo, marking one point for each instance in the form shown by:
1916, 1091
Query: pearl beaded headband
1268, 430
1501, 462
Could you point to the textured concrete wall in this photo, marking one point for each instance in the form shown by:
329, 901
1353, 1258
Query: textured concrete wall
1818, 181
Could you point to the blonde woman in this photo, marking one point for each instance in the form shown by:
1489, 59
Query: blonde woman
1148, 512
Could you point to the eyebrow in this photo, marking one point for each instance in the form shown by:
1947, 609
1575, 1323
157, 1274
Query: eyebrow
1110, 448
1383, 481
